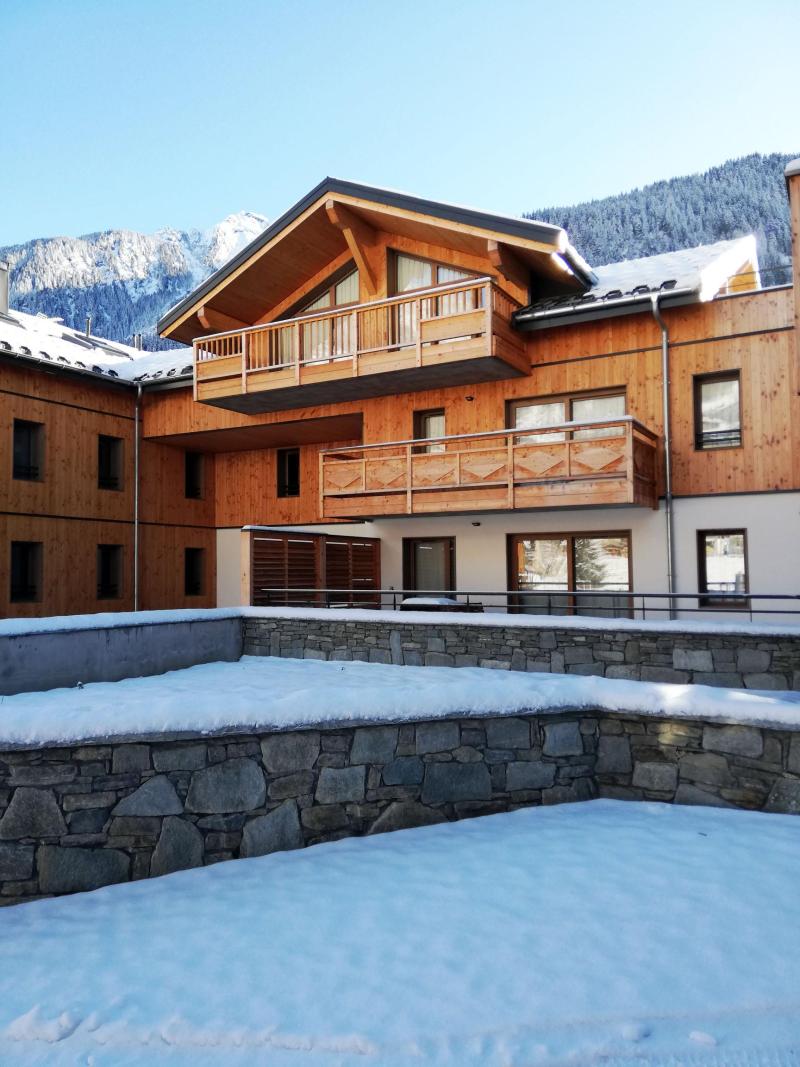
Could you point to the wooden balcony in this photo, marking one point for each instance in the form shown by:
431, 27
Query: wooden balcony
604, 463
452, 335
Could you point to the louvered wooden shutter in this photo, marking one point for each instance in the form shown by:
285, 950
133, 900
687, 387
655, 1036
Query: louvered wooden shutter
353, 565
284, 562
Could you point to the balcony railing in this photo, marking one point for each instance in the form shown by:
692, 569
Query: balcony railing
603, 462
465, 321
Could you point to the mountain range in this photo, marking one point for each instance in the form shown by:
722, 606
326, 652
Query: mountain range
126, 280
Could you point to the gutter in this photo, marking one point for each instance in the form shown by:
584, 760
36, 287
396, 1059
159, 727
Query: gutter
546, 318
668, 505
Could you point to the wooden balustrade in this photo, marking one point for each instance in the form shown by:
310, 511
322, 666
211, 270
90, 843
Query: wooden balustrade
610, 461
450, 325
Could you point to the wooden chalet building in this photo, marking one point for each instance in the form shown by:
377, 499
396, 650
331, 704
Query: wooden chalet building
388, 392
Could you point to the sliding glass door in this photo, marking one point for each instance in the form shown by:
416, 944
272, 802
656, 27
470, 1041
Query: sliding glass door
563, 574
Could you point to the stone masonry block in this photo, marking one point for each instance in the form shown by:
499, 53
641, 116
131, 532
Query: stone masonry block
339, 785
563, 739
451, 782
738, 740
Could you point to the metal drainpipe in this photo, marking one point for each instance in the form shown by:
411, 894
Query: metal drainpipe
136, 499
665, 383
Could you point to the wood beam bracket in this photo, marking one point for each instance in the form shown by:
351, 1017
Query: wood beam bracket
360, 238
218, 321
507, 263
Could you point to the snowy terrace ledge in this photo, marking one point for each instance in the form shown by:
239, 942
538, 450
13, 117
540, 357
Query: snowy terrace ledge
39, 654
112, 781
240, 759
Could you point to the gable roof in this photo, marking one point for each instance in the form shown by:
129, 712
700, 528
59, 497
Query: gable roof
686, 276
513, 229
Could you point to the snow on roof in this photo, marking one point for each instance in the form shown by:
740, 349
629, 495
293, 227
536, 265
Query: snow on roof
49, 341
702, 271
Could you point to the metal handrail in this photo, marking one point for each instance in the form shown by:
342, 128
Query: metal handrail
737, 602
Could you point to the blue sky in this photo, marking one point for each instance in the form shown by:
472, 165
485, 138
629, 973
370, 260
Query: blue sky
151, 113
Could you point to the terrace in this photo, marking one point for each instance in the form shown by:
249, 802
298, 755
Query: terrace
449, 335
605, 462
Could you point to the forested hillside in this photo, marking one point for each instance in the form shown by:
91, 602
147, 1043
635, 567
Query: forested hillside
741, 196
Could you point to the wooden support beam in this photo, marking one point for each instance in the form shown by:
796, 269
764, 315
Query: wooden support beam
507, 263
218, 321
360, 237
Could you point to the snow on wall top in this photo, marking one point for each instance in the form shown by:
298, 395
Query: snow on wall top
107, 620
306, 693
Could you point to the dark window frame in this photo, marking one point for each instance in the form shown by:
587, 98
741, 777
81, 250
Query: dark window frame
194, 571
194, 464
568, 399
394, 253
33, 470
287, 483
706, 599
570, 536
109, 572
110, 476
297, 310
418, 418
409, 562
27, 590
698, 381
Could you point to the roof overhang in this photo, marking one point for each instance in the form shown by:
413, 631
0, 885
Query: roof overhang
309, 237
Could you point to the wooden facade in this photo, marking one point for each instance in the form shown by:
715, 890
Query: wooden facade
352, 413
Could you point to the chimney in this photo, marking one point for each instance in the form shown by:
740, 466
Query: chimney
3, 288
792, 173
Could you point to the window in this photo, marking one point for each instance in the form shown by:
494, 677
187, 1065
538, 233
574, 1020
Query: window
193, 475
26, 571
550, 569
28, 450
109, 572
717, 411
329, 337
109, 462
193, 571
722, 566
411, 274
429, 424
429, 564
533, 414
288, 464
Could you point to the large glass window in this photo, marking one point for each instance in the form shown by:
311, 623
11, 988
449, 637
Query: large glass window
534, 414
722, 566
412, 273
717, 411
28, 450
328, 337
557, 574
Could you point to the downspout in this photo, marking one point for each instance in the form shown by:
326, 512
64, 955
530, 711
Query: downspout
665, 384
136, 498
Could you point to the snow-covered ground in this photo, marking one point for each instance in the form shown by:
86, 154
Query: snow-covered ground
627, 935
263, 692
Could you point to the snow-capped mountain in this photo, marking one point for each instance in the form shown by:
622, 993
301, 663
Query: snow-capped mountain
124, 280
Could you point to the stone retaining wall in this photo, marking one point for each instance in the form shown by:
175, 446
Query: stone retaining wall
80, 817
733, 660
